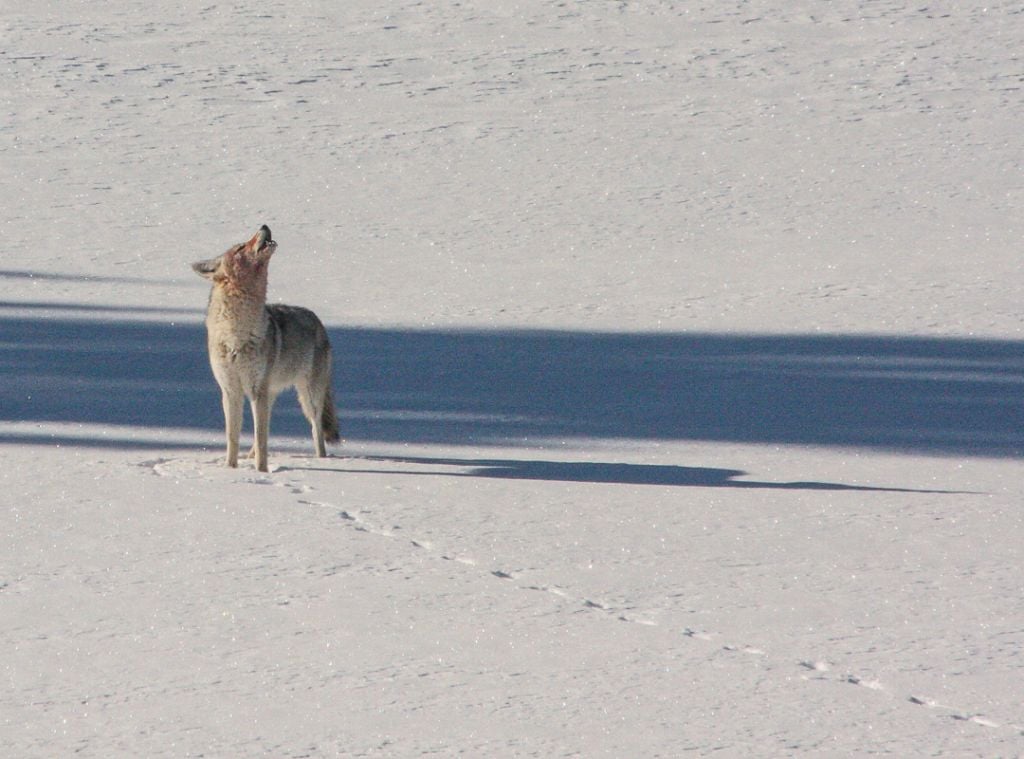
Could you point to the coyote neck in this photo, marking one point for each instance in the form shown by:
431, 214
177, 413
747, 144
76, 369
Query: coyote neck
237, 315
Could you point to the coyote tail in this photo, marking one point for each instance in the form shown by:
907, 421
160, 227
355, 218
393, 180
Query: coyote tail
329, 419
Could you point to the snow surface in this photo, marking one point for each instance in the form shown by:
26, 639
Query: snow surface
679, 358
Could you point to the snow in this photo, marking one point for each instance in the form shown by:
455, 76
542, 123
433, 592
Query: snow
678, 357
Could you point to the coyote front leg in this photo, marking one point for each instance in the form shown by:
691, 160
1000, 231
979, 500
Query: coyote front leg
233, 400
255, 446
261, 425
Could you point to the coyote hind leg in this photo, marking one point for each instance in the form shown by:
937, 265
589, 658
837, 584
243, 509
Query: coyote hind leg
313, 411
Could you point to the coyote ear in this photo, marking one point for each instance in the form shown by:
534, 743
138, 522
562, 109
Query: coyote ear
207, 268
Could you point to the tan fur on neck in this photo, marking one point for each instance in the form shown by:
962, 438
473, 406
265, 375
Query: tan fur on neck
238, 300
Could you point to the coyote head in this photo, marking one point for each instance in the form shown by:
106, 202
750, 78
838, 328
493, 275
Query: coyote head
241, 266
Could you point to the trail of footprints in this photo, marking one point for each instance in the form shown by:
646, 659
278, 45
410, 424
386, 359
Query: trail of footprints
813, 670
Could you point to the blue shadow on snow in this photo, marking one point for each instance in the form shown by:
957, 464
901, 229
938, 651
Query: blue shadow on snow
947, 396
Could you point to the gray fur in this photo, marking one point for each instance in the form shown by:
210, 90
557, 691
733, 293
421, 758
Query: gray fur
256, 350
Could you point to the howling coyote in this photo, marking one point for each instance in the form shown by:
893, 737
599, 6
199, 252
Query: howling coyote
258, 350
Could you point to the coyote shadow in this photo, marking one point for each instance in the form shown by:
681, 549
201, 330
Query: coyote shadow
598, 473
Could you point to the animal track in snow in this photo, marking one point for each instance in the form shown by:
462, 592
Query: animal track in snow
869, 684
815, 666
178, 469
362, 525
354, 517
695, 634
548, 589
745, 649
822, 669
958, 715
190, 469
816, 670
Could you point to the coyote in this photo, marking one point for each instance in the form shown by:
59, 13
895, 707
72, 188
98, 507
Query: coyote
258, 350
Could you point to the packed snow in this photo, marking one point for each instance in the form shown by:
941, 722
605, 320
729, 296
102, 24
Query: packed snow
678, 354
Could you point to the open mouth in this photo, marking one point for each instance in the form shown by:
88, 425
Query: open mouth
264, 241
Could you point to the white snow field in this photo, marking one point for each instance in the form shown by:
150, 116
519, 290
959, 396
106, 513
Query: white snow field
678, 352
